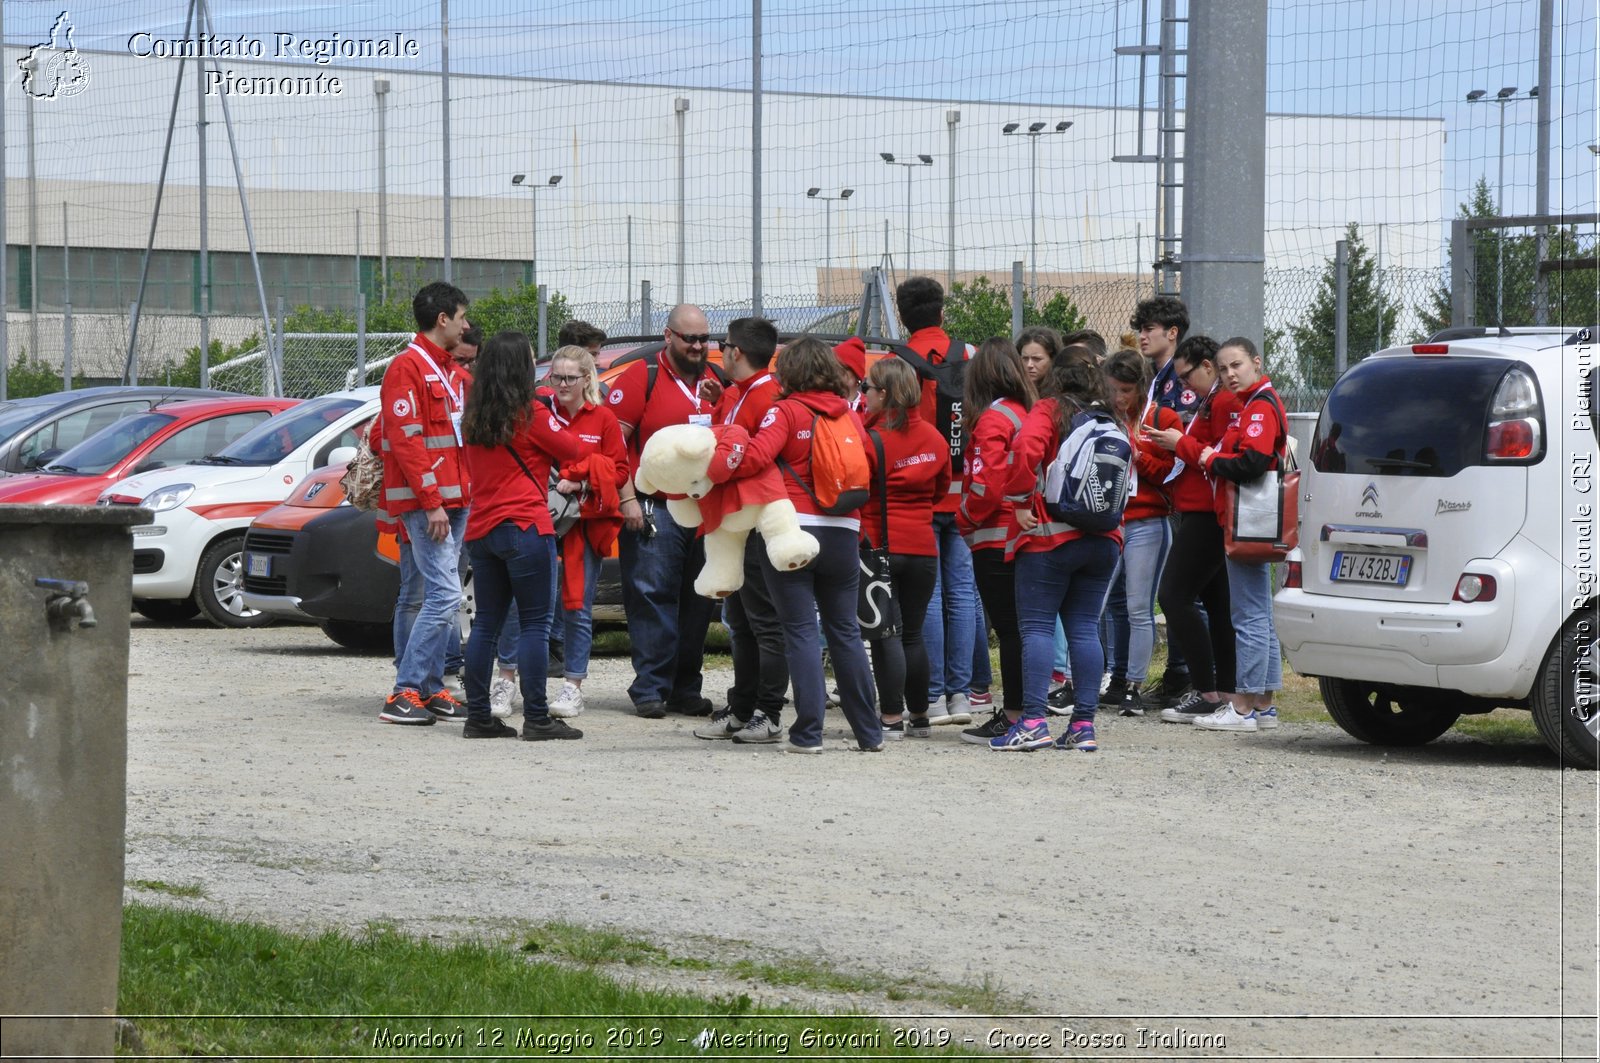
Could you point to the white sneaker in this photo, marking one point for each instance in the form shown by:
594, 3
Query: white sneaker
1267, 718
501, 694
955, 710
568, 703
759, 731
1227, 718
722, 725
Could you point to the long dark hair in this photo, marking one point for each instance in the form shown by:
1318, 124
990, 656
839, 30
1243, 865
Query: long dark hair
1075, 385
995, 372
500, 400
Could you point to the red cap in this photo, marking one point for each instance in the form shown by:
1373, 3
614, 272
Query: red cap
852, 354
732, 440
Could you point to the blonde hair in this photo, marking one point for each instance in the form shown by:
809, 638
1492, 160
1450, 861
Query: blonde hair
585, 360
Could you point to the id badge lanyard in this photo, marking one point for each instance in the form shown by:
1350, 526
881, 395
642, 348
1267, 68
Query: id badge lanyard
457, 397
695, 418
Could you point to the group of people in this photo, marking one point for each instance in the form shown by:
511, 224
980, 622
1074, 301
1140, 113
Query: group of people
478, 454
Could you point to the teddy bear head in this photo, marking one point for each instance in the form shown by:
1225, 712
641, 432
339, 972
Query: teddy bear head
675, 460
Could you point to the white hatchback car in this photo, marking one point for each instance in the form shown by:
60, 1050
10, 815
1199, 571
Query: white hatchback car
1447, 558
195, 547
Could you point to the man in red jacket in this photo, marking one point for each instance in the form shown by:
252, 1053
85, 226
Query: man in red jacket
425, 490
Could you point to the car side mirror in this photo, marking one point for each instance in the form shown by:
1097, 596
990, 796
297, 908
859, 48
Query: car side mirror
341, 455
148, 466
43, 458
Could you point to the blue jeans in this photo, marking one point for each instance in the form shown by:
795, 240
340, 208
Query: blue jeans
667, 620
437, 567
578, 624
406, 607
1069, 582
510, 565
952, 618
1144, 554
826, 586
1260, 667
1114, 626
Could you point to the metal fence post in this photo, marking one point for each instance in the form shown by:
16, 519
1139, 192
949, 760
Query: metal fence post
644, 308
275, 362
1341, 310
361, 339
133, 355
542, 293
1463, 268
1016, 298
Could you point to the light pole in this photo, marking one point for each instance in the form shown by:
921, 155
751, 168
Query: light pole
1033, 133
380, 89
922, 160
517, 179
827, 235
680, 107
1503, 97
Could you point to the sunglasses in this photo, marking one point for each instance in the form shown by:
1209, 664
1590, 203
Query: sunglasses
866, 387
698, 340
565, 380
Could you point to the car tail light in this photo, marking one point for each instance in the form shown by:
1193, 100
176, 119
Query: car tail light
1515, 428
1291, 574
1430, 348
1472, 587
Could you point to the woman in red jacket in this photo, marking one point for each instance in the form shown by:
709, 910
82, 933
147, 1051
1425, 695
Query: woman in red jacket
813, 385
600, 475
999, 395
511, 440
1253, 446
1194, 567
915, 474
1146, 535
1060, 570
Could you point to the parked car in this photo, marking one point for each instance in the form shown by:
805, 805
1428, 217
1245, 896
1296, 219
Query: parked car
35, 430
195, 547
1447, 544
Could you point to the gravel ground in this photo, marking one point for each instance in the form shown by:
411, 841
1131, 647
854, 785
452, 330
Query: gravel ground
1293, 893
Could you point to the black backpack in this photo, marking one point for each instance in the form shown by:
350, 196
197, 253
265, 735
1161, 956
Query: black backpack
949, 388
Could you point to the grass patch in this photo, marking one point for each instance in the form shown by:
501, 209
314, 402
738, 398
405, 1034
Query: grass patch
1502, 727
198, 985
151, 885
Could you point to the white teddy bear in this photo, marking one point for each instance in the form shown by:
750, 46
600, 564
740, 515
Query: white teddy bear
692, 466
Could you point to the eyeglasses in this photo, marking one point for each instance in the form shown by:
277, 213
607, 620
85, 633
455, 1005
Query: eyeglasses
699, 340
866, 387
1183, 374
565, 380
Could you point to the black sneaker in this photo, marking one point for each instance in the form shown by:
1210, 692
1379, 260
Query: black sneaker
1190, 709
493, 729
445, 706
1060, 701
651, 710
546, 728
1114, 692
982, 734
690, 707
893, 732
1132, 703
1174, 688
919, 727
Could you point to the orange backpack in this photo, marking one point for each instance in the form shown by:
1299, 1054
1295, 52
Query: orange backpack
840, 475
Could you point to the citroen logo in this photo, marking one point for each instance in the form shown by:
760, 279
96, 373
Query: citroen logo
1369, 497
316, 489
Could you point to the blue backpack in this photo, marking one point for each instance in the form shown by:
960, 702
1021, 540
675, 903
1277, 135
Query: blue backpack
1086, 485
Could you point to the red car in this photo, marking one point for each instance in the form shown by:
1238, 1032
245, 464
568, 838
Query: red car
172, 434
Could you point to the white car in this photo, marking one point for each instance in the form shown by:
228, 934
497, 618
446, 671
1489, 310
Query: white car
195, 547
1447, 559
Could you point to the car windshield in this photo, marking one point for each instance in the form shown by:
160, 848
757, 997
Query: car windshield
17, 416
1407, 416
277, 437
109, 445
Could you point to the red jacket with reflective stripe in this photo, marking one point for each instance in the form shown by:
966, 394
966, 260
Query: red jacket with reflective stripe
1152, 464
1035, 447
985, 519
422, 465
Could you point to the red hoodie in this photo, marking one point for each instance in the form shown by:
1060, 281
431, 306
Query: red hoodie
785, 432
985, 519
1151, 463
508, 493
1035, 447
1191, 491
917, 459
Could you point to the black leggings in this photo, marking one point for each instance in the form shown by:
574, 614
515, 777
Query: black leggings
1195, 569
997, 586
900, 665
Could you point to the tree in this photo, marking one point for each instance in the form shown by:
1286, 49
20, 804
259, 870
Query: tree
978, 310
1313, 336
26, 378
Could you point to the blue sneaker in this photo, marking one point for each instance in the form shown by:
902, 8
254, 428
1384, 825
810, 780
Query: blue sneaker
1079, 736
1023, 735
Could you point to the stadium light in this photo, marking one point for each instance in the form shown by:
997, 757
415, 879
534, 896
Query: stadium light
827, 235
520, 180
1503, 97
1034, 131
922, 160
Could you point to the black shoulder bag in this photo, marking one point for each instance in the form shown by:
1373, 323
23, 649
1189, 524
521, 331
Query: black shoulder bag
877, 607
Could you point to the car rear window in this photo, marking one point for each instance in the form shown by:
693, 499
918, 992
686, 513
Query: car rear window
1420, 416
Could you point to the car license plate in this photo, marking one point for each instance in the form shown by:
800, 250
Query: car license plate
1371, 568
259, 565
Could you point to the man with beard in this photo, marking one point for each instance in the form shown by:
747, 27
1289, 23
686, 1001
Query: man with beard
667, 620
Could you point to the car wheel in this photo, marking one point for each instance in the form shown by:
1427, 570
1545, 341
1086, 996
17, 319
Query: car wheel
1566, 695
362, 638
166, 610
1382, 714
219, 586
